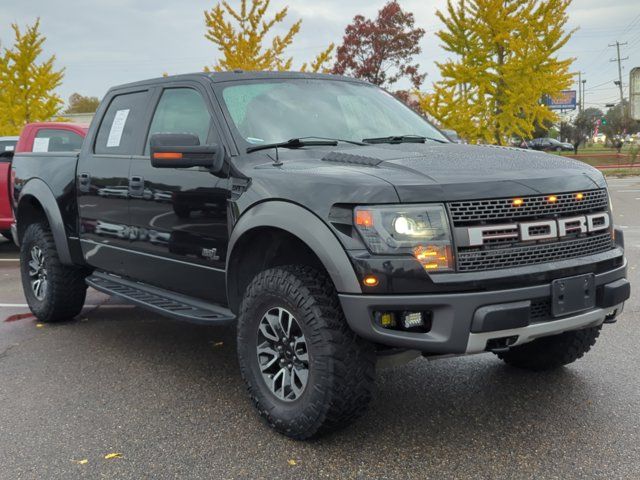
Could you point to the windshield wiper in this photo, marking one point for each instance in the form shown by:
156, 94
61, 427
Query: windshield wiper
402, 139
293, 143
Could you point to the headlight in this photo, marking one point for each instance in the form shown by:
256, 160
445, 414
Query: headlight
418, 230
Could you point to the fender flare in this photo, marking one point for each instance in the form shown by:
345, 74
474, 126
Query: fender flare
39, 190
303, 224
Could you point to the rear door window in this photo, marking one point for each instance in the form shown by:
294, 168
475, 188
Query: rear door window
123, 125
56, 140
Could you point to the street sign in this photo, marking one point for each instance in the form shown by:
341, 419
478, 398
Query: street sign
634, 93
565, 100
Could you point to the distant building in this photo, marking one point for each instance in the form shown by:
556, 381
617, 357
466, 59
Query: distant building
84, 118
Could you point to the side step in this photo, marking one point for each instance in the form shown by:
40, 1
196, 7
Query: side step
161, 301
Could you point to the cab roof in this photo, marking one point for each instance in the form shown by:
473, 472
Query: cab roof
235, 75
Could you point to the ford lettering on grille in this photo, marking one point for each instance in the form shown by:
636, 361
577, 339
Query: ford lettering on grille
535, 230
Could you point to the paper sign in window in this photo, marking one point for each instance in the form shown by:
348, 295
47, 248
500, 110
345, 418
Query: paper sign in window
41, 144
115, 134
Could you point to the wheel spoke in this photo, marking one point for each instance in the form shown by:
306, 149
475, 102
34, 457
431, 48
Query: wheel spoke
267, 350
33, 268
300, 349
36, 286
285, 320
299, 377
269, 327
282, 383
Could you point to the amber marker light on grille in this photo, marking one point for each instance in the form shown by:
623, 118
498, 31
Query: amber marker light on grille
552, 199
370, 281
517, 202
579, 196
433, 257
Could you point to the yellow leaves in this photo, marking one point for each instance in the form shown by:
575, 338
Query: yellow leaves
320, 63
84, 461
39, 325
506, 62
292, 462
26, 86
110, 456
241, 38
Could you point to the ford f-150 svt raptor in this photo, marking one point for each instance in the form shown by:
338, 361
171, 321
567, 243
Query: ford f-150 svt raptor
334, 225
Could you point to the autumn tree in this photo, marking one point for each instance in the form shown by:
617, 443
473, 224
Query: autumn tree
381, 50
81, 104
242, 38
26, 86
504, 61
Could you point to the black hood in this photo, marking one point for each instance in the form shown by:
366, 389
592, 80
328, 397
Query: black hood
426, 172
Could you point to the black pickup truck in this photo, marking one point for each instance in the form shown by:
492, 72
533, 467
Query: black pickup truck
332, 225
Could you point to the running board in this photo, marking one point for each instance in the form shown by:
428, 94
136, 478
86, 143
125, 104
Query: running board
161, 301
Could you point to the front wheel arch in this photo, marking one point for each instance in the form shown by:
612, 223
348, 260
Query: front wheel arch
311, 242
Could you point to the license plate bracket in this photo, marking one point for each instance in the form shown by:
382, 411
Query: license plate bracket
573, 294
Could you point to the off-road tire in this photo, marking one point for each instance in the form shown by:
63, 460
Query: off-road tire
548, 353
341, 375
66, 289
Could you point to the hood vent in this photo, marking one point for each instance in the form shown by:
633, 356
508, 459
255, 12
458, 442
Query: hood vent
369, 156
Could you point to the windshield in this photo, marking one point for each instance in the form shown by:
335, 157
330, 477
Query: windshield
279, 110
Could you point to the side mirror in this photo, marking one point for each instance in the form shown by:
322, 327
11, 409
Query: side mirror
183, 150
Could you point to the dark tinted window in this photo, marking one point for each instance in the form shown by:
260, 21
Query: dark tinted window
122, 125
56, 140
7, 145
181, 110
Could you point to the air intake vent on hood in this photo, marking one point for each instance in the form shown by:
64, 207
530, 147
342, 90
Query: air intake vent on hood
371, 156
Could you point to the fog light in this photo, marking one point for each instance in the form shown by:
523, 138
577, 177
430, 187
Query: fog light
387, 320
412, 320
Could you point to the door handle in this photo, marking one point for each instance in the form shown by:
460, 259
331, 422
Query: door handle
84, 182
136, 186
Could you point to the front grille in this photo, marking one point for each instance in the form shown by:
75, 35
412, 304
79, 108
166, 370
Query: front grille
541, 309
477, 260
476, 212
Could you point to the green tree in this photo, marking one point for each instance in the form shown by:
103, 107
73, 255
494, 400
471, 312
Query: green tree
504, 61
618, 121
26, 86
583, 126
81, 104
241, 36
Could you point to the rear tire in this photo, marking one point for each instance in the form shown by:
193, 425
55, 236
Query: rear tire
548, 353
54, 291
340, 366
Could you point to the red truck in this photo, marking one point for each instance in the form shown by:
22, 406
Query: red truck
35, 137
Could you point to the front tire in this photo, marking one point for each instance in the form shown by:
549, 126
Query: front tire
306, 371
54, 292
548, 353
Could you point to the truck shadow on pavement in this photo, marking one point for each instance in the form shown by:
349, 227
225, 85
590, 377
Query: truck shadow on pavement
439, 405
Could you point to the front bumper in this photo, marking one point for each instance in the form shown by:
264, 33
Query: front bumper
456, 316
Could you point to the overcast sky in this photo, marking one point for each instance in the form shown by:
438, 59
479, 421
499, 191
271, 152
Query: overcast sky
105, 43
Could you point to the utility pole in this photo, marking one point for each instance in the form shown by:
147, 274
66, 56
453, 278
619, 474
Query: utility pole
584, 92
619, 60
580, 99
579, 92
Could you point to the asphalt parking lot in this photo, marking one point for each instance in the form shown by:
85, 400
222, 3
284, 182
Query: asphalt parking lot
168, 397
